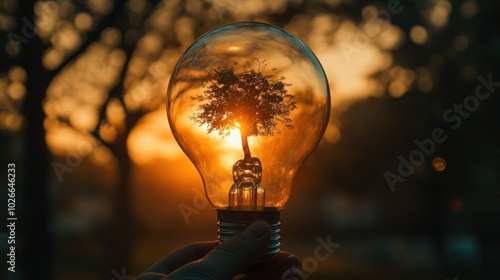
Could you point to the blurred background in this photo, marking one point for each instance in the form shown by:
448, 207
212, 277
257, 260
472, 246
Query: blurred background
103, 191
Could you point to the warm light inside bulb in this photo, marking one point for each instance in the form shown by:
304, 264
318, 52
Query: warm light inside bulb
259, 60
233, 48
233, 140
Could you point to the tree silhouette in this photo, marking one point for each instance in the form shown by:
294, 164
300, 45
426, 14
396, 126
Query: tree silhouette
251, 101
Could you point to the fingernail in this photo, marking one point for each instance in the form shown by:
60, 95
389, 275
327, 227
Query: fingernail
257, 229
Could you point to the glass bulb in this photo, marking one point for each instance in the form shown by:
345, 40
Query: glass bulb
248, 102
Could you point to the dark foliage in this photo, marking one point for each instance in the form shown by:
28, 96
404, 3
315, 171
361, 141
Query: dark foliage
254, 102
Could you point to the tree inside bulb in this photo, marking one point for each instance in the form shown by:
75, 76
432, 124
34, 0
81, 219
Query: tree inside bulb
256, 103
248, 102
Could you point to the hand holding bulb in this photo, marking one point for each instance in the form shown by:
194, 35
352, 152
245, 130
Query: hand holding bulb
209, 260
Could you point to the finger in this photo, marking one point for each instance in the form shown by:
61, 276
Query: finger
231, 257
150, 276
182, 256
276, 268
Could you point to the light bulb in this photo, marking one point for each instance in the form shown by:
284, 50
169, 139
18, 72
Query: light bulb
248, 102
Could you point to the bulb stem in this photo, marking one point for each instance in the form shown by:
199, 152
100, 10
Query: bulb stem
234, 222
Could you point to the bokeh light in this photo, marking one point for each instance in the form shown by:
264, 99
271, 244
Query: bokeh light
439, 163
418, 34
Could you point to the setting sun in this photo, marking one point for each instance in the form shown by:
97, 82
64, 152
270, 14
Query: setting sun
233, 139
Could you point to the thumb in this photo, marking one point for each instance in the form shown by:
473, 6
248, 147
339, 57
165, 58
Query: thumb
229, 258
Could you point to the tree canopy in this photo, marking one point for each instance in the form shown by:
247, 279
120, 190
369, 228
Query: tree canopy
251, 101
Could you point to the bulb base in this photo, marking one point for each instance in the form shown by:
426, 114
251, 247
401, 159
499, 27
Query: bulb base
232, 222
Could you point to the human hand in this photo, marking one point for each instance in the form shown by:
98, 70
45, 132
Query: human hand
212, 260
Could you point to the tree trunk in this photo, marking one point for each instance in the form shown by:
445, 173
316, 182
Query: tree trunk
244, 144
36, 252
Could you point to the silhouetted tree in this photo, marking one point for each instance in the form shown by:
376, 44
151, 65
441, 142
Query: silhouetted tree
251, 101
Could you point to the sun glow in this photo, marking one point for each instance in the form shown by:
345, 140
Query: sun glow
233, 140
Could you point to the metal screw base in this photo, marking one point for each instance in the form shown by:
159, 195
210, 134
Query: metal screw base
234, 222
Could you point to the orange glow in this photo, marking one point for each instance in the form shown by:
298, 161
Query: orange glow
47, 17
111, 36
66, 38
150, 43
418, 34
7, 23
456, 205
233, 139
397, 88
369, 12
332, 133
401, 81
107, 132
100, 7
280, 154
439, 164
12, 121
83, 21
101, 156
228, 148
390, 38
16, 91
84, 118
52, 58
184, 29
351, 57
439, 13
233, 48
115, 113
17, 74
63, 140
151, 139
76, 94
